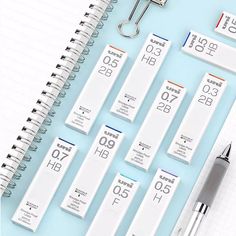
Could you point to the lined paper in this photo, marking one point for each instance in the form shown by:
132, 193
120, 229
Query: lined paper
33, 35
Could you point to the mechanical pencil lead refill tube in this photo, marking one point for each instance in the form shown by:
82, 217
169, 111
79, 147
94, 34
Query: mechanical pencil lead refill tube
90, 175
141, 77
44, 184
155, 125
154, 205
97, 89
227, 25
210, 50
197, 118
114, 206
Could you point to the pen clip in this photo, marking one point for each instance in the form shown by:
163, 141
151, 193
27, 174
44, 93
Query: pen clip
136, 24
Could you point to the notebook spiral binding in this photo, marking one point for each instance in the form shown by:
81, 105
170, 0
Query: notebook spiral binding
42, 113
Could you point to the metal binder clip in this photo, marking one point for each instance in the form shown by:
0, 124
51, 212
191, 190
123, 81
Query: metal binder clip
137, 29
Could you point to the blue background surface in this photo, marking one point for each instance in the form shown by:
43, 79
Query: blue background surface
172, 22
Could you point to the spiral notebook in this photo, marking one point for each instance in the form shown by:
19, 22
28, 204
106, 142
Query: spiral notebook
43, 44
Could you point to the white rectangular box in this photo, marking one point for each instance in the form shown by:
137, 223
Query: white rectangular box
154, 205
96, 90
227, 25
210, 50
155, 125
197, 118
44, 185
89, 177
140, 78
113, 207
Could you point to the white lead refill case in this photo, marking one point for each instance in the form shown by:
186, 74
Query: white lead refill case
155, 125
114, 206
44, 185
210, 50
197, 118
90, 175
227, 25
96, 90
141, 77
154, 205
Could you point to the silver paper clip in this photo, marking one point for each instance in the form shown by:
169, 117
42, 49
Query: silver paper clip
127, 21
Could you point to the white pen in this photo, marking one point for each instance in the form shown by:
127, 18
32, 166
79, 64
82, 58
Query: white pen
208, 192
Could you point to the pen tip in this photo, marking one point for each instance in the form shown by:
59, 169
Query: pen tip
226, 152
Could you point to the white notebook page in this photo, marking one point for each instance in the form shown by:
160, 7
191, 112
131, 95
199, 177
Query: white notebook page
33, 35
220, 220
